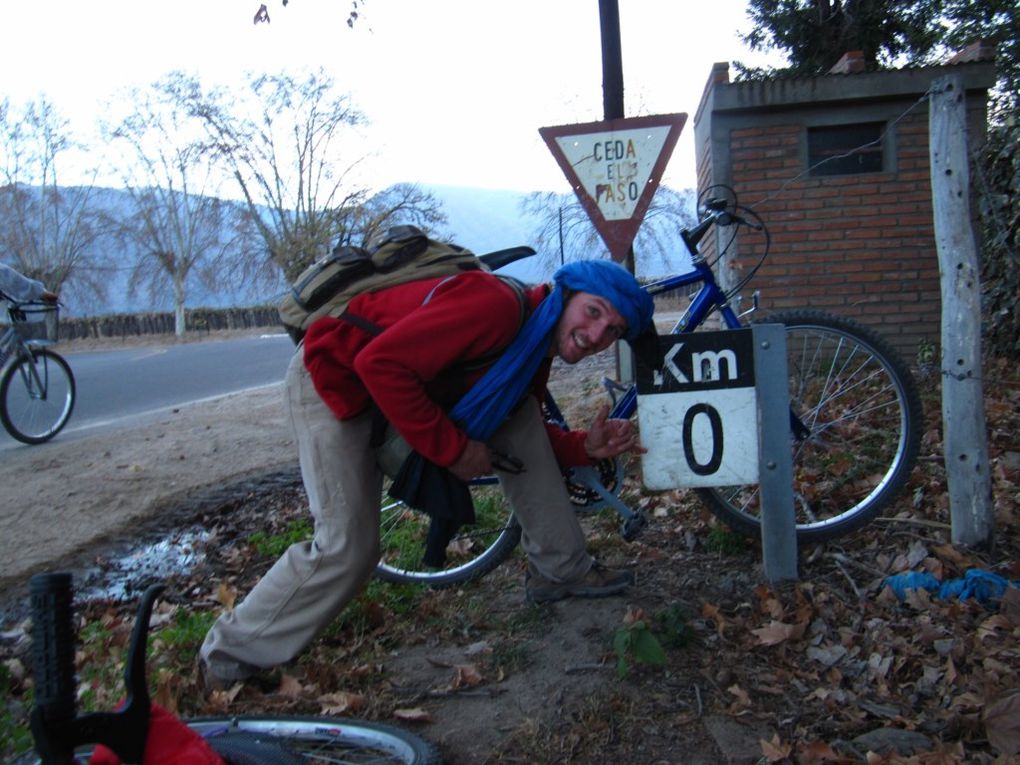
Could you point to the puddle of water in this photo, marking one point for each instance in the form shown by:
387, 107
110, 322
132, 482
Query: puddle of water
124, 578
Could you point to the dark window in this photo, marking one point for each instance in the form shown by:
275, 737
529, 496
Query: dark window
845, 149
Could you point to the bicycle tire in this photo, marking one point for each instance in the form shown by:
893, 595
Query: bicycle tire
326, 739
27, 415
861, 405
277, 740
473, 552
252, 749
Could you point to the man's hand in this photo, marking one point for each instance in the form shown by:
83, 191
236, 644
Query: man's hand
608, 438
473, 462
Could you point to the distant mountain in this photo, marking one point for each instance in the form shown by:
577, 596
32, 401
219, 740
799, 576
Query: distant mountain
483, 220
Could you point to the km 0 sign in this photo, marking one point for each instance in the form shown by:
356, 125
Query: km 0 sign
698, 412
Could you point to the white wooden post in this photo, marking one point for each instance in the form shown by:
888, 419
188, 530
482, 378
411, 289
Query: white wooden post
964, 433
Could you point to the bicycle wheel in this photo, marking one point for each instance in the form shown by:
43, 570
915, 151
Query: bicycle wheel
315, 739
856, 427
473, 552
286, 740
36, 396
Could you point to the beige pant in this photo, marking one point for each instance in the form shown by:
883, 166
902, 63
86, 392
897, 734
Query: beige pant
313, 581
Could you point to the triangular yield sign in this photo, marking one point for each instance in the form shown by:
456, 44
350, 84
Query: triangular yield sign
614, 168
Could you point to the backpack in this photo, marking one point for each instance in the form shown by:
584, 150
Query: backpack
404, 254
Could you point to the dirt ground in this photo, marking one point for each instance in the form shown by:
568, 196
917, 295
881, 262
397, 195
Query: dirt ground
63, 498
827, 669
80, 505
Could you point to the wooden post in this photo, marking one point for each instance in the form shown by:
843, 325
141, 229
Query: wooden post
964, 434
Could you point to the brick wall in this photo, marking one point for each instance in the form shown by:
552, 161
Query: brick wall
857, 245
861, 245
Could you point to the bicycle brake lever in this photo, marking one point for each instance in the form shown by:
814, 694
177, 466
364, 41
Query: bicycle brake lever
127, 730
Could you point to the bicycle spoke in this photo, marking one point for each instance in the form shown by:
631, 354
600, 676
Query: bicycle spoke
860, 415
36, 396
473, 551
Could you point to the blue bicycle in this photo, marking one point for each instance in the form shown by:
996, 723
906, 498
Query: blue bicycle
855, 425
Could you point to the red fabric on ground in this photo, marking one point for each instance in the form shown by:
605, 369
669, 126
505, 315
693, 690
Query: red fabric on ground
170, 742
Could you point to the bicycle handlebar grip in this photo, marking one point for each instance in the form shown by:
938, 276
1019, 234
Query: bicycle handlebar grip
53, 647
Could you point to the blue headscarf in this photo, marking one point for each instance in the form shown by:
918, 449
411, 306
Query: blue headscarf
483, 408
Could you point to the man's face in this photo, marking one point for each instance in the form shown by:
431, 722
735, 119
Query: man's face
589, 324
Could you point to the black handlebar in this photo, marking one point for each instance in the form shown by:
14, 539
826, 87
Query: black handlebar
56, 727
53, 662
718, 212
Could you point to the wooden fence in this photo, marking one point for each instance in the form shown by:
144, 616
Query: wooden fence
197, 320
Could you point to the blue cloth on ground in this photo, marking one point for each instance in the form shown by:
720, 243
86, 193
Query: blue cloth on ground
983, 586
483, 408
911, 580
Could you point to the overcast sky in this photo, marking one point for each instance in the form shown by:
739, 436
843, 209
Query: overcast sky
455, 90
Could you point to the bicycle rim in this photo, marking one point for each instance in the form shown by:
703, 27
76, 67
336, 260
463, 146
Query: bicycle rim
329, 740
36, 396
473, 552
862, 417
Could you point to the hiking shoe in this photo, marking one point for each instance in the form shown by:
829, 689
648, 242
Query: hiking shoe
597, 583
221, 675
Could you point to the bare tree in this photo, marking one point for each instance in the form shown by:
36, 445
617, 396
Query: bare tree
282, 139
180, 228
565, 231
47, 231
401, 203
279, 139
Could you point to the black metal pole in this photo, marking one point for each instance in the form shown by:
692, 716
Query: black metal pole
612, 75
612, 60
612, 108
561, 236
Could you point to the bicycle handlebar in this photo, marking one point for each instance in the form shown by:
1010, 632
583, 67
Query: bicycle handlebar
53, 660
56, 727
53, 643
718, 213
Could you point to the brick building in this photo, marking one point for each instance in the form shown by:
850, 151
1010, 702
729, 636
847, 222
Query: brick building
851, 233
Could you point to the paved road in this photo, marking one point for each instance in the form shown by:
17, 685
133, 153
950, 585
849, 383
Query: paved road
118, 386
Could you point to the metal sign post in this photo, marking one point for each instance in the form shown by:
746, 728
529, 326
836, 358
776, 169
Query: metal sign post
717, 414
778, 521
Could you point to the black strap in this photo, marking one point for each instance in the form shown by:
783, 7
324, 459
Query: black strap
361, 323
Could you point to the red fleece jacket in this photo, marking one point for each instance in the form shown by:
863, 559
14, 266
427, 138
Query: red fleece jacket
415, 369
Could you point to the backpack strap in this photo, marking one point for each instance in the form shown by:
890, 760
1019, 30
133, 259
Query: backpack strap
361, 323
516, 285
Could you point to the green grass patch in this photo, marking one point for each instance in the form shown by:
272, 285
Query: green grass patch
377, 601
177, 643
725, 541
275, 545
14, 731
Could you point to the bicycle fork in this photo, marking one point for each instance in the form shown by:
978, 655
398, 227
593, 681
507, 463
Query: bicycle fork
36, 381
